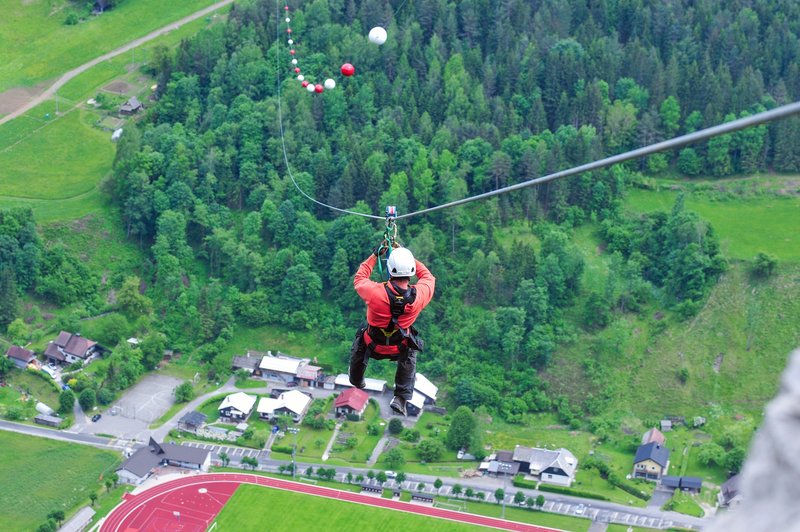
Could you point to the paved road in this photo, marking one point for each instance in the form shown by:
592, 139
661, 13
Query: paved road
50, 91
86, 439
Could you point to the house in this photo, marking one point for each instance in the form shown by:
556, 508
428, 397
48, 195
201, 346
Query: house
415, 405
20, 356
280, 367
426, 388
551, 466
132, 106
192, 421
250, 363
69, 348
140, 465
237, 406
666, 425
351, 402
729, 495
293, 403
651, 461
372, 385
653, 435
500, 463
50, 421
309, 376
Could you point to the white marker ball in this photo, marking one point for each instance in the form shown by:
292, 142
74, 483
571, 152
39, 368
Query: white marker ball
290, 41
288, 19
330, 84
294, 61
300, 77
310, 87
377, 35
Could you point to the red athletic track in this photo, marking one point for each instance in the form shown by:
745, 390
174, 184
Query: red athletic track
152, 510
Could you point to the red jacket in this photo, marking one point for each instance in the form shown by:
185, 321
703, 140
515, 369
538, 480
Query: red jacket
378, 309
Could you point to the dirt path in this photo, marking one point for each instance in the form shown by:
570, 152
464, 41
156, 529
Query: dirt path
50, 91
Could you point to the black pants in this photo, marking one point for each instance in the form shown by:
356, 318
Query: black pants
404, 375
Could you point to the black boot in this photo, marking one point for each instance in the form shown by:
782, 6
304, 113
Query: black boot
398, 405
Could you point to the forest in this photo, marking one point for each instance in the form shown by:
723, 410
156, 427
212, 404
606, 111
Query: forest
449, 107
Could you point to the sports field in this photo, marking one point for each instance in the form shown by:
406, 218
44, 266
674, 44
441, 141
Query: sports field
38, 46
256, 508
38, 476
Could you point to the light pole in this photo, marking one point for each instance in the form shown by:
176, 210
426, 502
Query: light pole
294, 431
504, 468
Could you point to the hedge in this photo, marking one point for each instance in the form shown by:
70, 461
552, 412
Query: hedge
282, 449
520, 482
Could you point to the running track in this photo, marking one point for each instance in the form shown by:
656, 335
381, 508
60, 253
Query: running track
199, 498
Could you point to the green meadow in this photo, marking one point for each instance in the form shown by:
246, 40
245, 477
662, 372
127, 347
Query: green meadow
38, 46
38, 476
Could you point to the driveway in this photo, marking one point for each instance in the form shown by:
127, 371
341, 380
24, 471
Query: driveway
660, 496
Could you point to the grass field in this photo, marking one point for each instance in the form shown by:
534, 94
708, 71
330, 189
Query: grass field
38, 45
38, 476
745, 226
258, 508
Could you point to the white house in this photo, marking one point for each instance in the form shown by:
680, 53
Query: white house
281, 366
293, 403
552, 467
237, 406
415, 404
373, 385
426, 388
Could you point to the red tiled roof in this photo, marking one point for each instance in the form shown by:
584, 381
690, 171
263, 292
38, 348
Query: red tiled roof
63, 338
53, 352
352, 397
653, 435
78, 346
20, 353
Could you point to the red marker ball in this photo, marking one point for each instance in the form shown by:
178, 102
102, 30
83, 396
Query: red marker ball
289, 30
304, 84
318, 88
286, 8
291, 52
348, 69
296, 70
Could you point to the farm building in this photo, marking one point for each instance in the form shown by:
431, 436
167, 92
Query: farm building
237, 406
351, 401
132, 106
249, 363
20, 356
141, 464
69, 348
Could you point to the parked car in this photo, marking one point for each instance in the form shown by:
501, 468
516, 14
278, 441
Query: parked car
96, 417
291, 384
580, 509
391, 475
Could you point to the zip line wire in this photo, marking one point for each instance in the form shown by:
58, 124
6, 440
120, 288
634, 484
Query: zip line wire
778, 113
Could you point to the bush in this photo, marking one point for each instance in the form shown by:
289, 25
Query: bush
395, 426
282, 449
520, 482
105, 396
72, 19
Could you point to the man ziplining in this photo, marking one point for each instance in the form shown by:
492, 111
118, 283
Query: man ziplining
392, 308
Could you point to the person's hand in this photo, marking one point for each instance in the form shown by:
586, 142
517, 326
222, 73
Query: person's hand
379, 250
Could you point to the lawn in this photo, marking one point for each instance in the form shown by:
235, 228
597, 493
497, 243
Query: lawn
39, 475
745, 226
38, 46
366, 442
251, 507
77, 156
684, 504
524, 515
24, 389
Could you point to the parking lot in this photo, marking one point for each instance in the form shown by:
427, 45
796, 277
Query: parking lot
148, 400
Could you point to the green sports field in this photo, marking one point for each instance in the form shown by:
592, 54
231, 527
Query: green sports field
38, 46
38, 476
259, 508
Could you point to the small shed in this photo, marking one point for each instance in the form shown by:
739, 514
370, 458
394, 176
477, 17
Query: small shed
666, 425
694, 484
132, 106
50, 421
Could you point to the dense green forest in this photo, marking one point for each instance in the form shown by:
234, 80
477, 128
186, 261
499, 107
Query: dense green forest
465, 97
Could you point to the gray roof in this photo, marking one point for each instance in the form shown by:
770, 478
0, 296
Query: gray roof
671, 482
730, 488
246, 362
146, 458
652, 451
694, 483
507, 468
194, 418
541, 459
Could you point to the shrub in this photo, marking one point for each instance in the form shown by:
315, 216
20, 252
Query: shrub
395, 426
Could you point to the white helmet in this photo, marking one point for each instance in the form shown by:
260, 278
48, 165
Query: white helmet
401, 263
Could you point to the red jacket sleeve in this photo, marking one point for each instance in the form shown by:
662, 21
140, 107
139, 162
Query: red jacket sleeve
425, 286
366, 288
